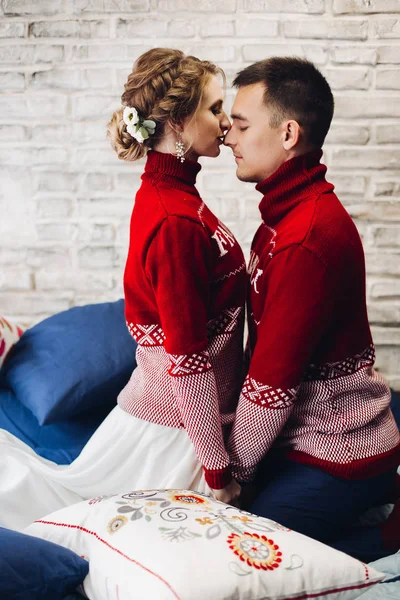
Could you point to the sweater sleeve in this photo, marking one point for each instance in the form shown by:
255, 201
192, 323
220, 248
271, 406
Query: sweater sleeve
299, 297
177, 264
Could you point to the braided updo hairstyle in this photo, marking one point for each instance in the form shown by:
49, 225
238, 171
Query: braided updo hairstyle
164, 85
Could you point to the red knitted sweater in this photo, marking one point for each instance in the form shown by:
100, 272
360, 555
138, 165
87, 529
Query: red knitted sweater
311, 389
185, 285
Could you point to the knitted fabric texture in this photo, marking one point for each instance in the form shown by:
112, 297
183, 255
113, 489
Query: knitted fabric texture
311, 389
185, 284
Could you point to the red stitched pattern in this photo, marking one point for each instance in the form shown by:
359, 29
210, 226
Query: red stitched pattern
94, 534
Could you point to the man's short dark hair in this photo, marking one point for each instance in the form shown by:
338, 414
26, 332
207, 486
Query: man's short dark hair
294, 88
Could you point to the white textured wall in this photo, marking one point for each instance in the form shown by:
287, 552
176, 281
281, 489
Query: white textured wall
65, 199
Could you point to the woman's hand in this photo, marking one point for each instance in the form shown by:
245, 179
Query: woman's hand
229, 494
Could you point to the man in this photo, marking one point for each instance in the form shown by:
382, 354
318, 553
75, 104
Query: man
313, 427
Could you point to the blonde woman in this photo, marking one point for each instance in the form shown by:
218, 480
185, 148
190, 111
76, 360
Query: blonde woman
184, 284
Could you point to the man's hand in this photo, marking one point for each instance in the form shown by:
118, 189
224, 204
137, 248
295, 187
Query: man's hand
229, 494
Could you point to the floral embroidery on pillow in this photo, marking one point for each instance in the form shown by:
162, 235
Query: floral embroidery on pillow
189, 499
116, 523
255, 550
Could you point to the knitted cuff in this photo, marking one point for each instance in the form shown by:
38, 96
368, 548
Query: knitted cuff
217, 479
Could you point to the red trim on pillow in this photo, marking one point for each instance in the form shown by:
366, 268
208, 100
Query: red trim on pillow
111, 548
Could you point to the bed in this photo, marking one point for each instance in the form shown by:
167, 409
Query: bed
90, 356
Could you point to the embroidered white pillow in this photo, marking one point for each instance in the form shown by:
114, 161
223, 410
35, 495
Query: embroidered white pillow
177, 544
9, 335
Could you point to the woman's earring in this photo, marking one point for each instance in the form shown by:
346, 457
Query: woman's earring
180, 149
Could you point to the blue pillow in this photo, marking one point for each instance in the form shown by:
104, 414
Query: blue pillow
72, 362
60, 442
34, 569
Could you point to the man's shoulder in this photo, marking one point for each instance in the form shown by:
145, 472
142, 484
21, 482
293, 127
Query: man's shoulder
331, 225
333, 236
319, 223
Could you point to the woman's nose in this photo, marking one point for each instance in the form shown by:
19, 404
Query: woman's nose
228, 140
225, 123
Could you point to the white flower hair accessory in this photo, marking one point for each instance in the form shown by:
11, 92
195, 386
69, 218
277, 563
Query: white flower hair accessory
138, 128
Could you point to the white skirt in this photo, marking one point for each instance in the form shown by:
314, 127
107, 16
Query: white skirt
124, 454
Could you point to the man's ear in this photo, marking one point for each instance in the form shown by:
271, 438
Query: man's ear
291, 134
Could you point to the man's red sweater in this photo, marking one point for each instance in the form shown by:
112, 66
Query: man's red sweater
185, 286
311, 390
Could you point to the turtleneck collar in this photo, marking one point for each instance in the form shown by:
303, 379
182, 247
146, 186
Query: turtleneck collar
295, 180
167, 168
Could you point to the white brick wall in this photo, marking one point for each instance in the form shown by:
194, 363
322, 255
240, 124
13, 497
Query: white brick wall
65, 199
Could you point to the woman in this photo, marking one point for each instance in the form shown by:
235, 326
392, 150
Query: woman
184, 286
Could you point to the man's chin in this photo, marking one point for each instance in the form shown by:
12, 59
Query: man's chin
246, 178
